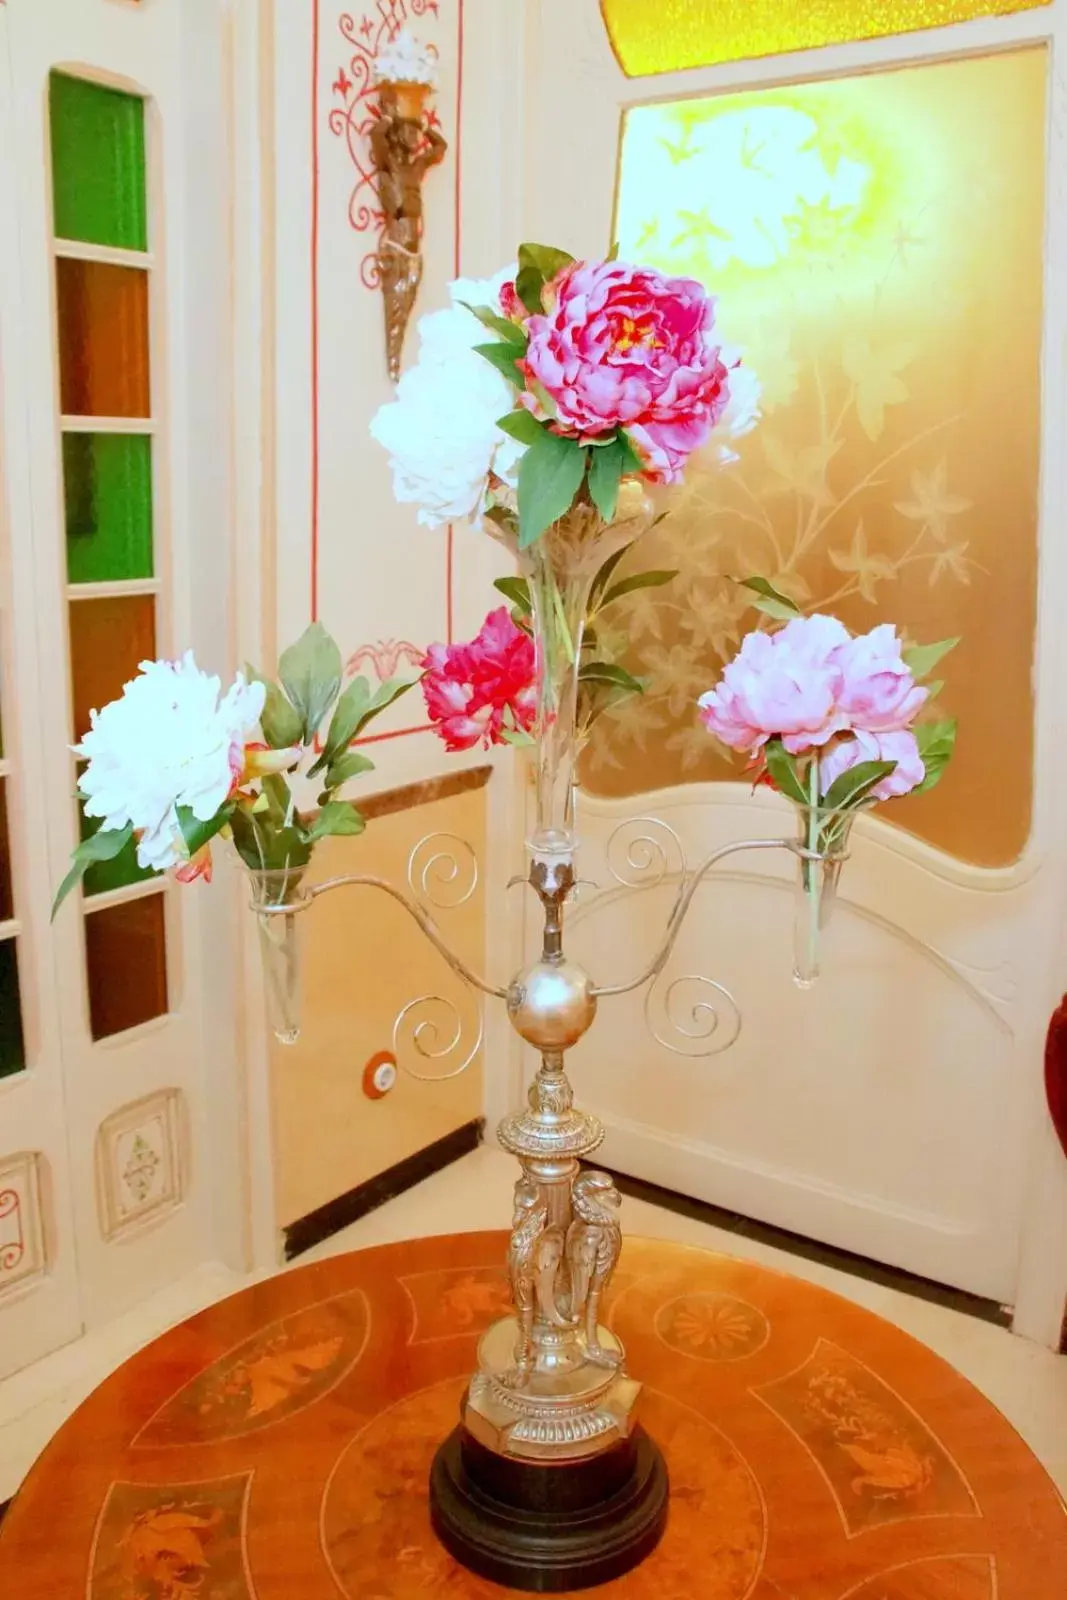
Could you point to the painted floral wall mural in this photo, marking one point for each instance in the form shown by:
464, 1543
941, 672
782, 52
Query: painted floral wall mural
878, 242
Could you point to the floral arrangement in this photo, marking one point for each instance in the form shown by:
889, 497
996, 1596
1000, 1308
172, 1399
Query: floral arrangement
597, 372
831, 719
174, 763
835, 722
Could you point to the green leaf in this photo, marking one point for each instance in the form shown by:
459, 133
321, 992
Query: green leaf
522, 425
384, 696
517, 590
549, 261
770, 600
783, 770
639, 580
924, 657
104, 845
503, 357
310, 671
356, 707
528, 286
613, 253
264, 844
517, 737
550, 475
352, 765
337, 818
492, 320
853, 786
937, 742
348, 712
282, 725
538, 264
603, 577
279, 798
631, 459
605, 474
196, 833
605, 672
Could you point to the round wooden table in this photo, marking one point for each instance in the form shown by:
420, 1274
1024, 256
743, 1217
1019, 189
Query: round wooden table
277, 1446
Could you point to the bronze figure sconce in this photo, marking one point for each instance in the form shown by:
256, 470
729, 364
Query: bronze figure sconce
404, 145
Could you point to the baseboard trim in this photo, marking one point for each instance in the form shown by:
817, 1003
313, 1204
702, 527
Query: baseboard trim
796, 1244
323, 1223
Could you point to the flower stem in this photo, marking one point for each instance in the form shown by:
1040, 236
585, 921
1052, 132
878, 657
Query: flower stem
813, 868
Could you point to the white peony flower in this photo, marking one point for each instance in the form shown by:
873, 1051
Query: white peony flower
743, 407
167, 742
441, 431
405, 60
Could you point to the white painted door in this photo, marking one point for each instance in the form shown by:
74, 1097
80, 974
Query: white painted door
896, 1109
39, 1297
114, 466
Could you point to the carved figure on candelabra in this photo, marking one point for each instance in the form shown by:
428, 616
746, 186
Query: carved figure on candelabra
405, 147
524, 1267
594, 1243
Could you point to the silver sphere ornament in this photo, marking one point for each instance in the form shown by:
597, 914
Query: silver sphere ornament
552, 1004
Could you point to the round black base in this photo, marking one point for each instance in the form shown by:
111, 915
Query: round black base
546, 1528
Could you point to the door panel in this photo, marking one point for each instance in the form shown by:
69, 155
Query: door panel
895, 476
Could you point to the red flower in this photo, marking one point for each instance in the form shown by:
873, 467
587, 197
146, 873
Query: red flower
474, 691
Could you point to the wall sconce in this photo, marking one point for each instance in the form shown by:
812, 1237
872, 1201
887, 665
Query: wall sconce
405, 144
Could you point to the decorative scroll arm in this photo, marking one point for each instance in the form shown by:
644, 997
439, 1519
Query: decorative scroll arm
425, 922
687, 888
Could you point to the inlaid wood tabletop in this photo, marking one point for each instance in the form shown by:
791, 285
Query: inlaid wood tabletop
277, 1446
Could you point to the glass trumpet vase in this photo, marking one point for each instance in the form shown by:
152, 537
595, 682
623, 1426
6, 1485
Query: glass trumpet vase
561, 568
822, 850
278, 897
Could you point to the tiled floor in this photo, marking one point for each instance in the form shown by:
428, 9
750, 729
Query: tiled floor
1027, 1383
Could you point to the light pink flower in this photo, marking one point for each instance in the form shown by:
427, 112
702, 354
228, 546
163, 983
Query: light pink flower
625, 346
901, 747
471, 689
879, 694
782, 685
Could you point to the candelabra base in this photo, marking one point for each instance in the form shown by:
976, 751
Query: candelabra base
545, 1527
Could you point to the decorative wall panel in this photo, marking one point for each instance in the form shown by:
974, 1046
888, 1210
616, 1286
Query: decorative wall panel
650, 36
877, 243
140, 1161
22, 1251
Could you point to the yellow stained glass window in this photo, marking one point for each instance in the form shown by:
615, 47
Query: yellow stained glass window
650, 36
876, 243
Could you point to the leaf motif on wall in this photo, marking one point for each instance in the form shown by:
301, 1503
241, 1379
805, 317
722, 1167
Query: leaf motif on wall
875, 371
932, 501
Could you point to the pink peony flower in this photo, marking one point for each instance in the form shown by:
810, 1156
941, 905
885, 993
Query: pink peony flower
901, 747
625, 346
469, 688
879, 694
783, 684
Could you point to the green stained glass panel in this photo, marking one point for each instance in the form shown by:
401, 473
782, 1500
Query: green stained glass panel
107, 480
12, 1049
98, 164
